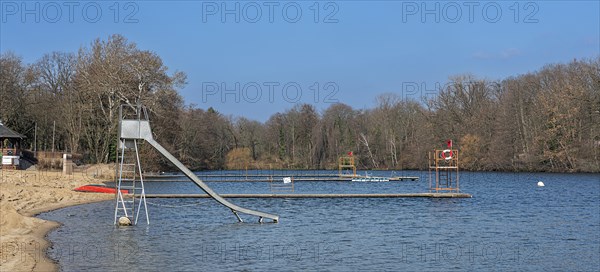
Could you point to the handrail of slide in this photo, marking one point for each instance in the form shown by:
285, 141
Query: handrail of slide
234, 208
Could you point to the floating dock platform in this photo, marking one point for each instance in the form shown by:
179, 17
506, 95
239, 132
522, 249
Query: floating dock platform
403, 195
264, 178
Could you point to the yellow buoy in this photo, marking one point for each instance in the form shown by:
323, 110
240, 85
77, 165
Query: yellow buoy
124, 221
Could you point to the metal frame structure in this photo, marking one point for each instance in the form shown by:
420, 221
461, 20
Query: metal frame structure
345, 165
129, 175
443, 164
132, 130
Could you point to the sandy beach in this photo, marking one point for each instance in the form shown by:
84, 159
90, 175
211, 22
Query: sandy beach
24, 194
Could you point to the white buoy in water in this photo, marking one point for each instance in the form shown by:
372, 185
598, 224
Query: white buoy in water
541, 184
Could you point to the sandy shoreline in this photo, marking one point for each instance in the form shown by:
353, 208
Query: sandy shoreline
24, 194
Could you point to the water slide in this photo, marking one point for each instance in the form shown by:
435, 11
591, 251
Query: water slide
140, 129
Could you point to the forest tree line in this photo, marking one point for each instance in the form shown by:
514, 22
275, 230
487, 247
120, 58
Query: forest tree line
547, 120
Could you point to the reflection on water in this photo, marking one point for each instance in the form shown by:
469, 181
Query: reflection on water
509, 224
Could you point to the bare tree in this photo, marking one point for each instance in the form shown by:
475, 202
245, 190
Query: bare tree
115, 72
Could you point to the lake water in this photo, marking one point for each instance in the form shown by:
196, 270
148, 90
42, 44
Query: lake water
510, 224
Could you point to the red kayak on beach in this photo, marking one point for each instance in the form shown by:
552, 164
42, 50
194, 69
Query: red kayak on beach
98, 188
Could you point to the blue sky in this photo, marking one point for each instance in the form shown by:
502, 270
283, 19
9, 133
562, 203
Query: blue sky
351, 51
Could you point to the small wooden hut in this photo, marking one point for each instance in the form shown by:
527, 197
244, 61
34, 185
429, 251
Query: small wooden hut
10, 147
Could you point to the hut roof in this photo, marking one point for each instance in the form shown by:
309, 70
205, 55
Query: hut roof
9, 133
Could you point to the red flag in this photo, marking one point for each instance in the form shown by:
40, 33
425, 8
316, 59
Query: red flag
350, 153
449, 143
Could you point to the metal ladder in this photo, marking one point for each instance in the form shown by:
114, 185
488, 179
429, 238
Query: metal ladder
446, 180
130, 179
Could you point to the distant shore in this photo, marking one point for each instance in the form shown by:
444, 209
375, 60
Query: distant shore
24, 194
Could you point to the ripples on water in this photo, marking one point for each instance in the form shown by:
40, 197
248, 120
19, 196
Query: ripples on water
509, 225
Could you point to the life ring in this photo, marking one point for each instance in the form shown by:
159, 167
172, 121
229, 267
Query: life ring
447, 154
